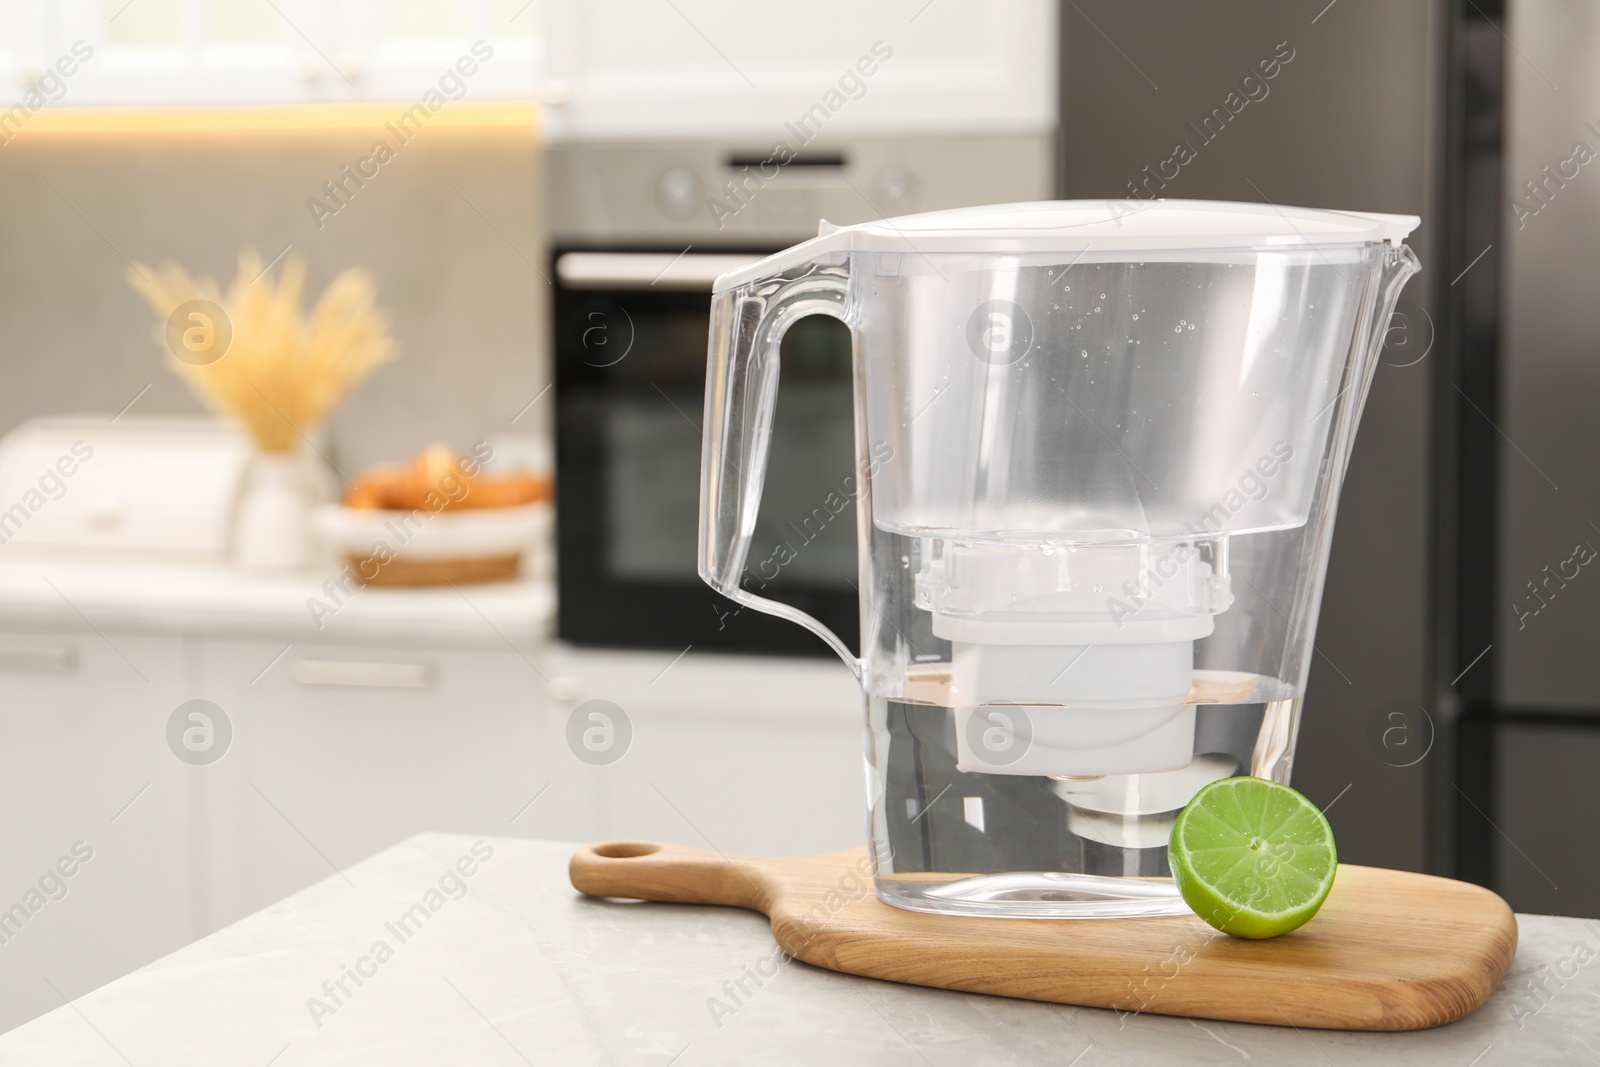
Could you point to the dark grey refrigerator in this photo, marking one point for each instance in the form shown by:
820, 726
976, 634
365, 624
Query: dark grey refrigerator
1531, 736
1452, 719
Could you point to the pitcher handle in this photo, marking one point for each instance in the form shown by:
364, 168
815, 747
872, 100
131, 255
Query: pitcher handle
747, 326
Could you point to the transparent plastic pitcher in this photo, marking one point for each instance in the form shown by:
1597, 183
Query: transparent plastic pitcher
1099, 447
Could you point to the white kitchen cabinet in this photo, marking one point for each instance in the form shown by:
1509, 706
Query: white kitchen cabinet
621, 70
409, 711
342, 749
738, 753
88, 786
403, 712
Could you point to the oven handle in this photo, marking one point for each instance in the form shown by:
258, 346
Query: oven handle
747, 327
647, 270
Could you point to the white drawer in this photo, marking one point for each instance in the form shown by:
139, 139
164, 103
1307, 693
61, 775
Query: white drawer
341, 750
739, 753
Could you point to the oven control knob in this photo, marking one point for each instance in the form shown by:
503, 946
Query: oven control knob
895, 186
566, 690
679, 194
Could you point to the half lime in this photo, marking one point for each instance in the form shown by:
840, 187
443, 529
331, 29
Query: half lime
1252, 857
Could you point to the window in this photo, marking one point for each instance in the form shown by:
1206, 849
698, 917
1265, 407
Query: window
163, 52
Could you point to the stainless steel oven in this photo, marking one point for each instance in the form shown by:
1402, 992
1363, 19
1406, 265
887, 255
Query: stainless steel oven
638, 234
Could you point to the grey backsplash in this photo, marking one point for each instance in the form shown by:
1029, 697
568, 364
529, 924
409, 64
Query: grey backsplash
451, 228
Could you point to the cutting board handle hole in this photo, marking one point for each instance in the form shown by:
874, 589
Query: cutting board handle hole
625, 850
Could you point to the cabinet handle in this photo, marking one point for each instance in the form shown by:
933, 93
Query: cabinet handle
363, 675
43, 660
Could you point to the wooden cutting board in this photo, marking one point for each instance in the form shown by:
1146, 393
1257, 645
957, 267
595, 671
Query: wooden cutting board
1388, 951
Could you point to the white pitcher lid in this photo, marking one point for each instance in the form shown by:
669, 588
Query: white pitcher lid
1105, 227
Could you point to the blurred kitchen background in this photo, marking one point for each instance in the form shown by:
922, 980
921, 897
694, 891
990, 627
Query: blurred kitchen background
542, 238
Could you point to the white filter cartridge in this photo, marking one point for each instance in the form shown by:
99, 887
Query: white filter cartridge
1076, 662
1095, 709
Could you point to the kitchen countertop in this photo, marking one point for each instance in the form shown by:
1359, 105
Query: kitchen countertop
508, 965
51, 589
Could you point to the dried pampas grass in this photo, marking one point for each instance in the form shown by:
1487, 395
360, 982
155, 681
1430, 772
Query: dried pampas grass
282, 373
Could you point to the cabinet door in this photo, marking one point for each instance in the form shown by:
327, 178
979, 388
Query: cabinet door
339, 751
94, 858
828, 70
739, 753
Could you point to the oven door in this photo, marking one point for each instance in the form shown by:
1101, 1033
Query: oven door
630, 368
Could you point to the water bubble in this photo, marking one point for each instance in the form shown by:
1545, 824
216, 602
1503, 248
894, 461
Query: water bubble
1084, 352
1191, 326
1097, 309
1102, 296
1136, 318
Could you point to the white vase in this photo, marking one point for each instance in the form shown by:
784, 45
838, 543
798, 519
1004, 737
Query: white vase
272, 530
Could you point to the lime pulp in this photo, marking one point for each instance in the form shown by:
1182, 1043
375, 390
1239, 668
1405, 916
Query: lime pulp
1252, 857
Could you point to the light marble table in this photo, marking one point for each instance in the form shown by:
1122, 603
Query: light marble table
508, 965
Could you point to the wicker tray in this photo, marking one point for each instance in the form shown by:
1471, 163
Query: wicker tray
423, 572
